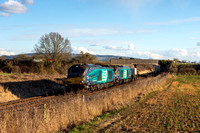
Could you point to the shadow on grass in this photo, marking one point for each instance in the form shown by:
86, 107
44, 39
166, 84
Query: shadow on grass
32, 88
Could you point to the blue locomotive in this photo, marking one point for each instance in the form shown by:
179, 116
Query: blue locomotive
95, 77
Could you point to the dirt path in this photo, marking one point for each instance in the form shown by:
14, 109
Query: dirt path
174, 109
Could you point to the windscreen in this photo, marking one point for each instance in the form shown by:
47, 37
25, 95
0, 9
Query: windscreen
75, 72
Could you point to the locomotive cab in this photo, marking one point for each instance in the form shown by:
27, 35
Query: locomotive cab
76, 75
75, 71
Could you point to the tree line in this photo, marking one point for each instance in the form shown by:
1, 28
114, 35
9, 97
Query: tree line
52, 55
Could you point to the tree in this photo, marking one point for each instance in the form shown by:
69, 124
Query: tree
53, 46
85, 58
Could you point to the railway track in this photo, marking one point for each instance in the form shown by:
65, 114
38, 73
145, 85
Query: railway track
36, 101
39, 100
24, 103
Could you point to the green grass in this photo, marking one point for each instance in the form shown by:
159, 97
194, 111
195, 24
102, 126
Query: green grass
151, 94
188, 79
4, 74
94, 122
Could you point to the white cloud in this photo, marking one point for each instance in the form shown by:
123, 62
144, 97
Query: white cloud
83, 32
198, 54
131, 46
95, 45
178, 52
113, 47
122, 47
5, 52
28, 2
12, 6
90, 32
116, 48
85, 50
195, 19
5, 14
102, 42
149, 55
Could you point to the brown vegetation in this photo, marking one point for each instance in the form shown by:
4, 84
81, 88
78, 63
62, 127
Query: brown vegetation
174, 109
64, 111
188, 69
18, 86
38, 64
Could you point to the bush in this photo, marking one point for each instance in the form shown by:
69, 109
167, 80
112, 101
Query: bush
166, 65
37, 67
186, 71
25, 69
7, 66
15, 69
198, 73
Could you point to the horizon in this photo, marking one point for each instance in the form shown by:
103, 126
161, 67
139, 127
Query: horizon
146, 29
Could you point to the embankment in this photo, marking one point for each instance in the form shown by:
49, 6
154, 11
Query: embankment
65, 111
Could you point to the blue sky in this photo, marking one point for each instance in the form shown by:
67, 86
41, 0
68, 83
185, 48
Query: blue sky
150, 29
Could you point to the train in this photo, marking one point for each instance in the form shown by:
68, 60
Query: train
96, 77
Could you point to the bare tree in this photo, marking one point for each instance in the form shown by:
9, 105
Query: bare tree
53, 46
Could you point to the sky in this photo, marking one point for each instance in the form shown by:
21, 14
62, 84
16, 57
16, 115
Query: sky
148, 29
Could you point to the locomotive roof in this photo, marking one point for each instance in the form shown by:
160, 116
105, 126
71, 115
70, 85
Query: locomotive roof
89, 65
120, 66
100, 66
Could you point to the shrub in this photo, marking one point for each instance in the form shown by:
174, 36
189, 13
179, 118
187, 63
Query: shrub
166, 65
7, 66
198, 73
15, 69
25, 69
186, 71
37, 67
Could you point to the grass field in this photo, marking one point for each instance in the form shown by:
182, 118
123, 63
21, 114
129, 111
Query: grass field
176, 108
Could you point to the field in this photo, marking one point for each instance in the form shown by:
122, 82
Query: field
176, 108
19, 86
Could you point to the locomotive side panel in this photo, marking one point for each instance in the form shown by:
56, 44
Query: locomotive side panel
99, 76
123, 74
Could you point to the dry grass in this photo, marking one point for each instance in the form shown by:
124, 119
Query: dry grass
17, 86
143, 69
6, 95
66, 111
176, 108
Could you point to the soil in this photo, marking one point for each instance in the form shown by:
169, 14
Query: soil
174, 109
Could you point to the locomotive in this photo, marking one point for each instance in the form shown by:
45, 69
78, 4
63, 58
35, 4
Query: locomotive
96, 77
